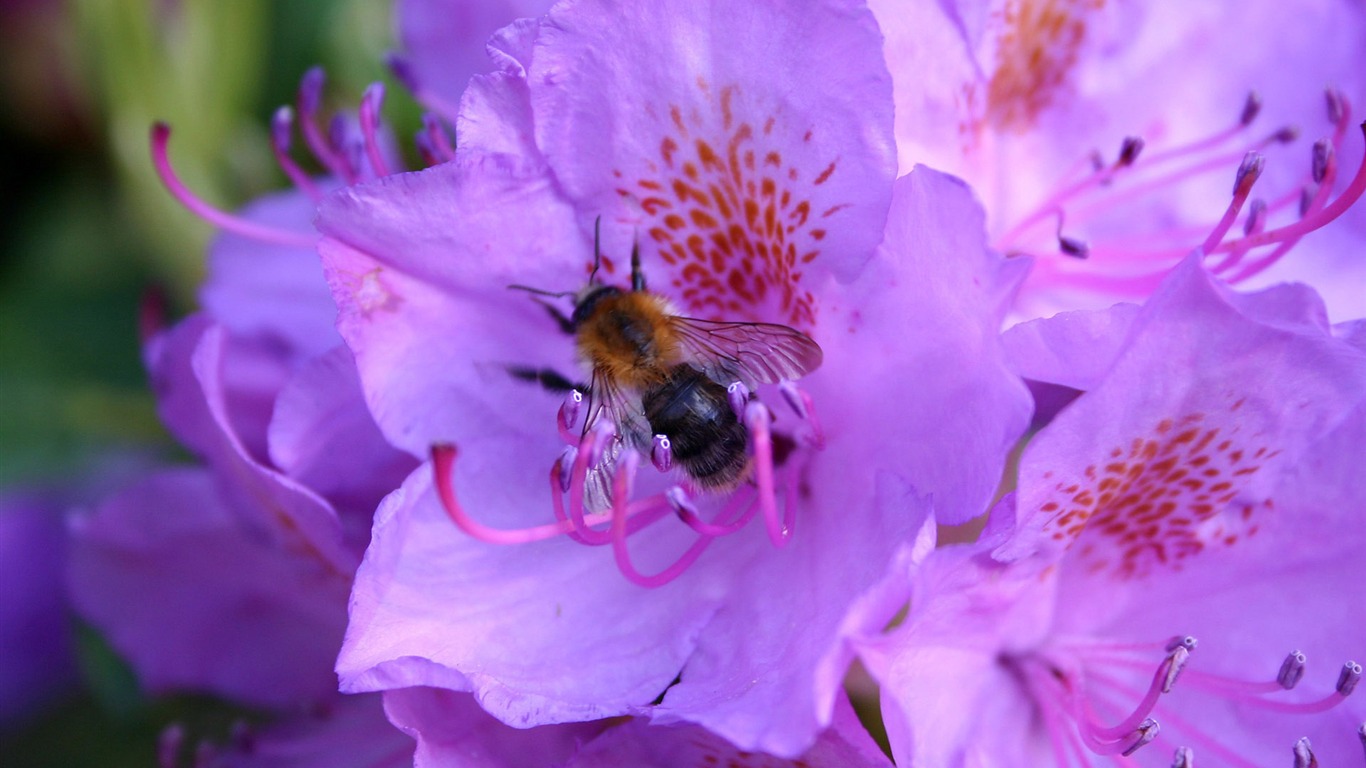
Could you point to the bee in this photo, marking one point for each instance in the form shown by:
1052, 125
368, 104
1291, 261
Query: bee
657, 373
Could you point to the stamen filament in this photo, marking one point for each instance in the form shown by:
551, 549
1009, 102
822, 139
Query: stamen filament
1046, 693
688, 513
627, 465
281, 125
346, 148
161, 134
436, 134
443, 464
1192, 733
757, 419
310, 98
1144, 706
370, 103
1355, 188
1248, 173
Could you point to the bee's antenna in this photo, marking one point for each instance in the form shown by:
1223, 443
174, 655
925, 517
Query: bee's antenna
597, 249
637, 276
540, 292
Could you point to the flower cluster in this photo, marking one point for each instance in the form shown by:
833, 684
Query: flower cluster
432, 508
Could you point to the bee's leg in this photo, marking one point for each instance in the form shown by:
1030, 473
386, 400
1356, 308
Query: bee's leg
561, 319
549, 378
637, 276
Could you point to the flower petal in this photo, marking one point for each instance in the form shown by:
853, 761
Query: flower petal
745, 173
192, 364
451, 729
272, 291
420, 265
937, 405
197, 603
323, 436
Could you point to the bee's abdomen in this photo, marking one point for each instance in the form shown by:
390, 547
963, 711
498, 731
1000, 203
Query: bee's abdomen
694, 413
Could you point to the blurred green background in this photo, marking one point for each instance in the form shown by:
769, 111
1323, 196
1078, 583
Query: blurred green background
86, 230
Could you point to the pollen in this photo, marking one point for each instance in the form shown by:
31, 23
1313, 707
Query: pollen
1161, 498
729, 213
369, 291
1037, 47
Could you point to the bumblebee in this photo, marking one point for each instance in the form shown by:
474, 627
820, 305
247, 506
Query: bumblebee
655, 373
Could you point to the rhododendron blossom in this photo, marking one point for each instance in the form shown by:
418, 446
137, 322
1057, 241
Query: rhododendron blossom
1182, 541
1101, 134
750, 203
413, 490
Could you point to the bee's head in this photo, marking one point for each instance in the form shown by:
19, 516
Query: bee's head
587, 300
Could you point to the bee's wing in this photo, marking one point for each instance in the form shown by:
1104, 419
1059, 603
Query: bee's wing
755, 353
606, 400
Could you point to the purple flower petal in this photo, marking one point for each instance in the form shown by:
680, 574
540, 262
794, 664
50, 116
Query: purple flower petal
346, 731
451, 729
272, 291
189, 372
1207, 485
844, 745
1222, 391
1074, 349
323, 436
38, 663
915, 334
192, 600
443, 40
745, 172
399, 250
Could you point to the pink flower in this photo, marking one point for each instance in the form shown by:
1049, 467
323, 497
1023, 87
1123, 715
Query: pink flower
1018, 97
1204, 488
759, 188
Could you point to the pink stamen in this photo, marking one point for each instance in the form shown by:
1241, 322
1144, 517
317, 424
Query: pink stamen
370, 104
641, 513
1165, 181
1103, 175
567, 418
1248, 173
1055, 717
1315, 220
589, 454
757, 420
804, 406
443, 465
347, 148
628, 462
161, 135
1080, 712
425, 150
442, 148
688, 513
310, 98
169, 745
1315, 205
1161, 683
281, 126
